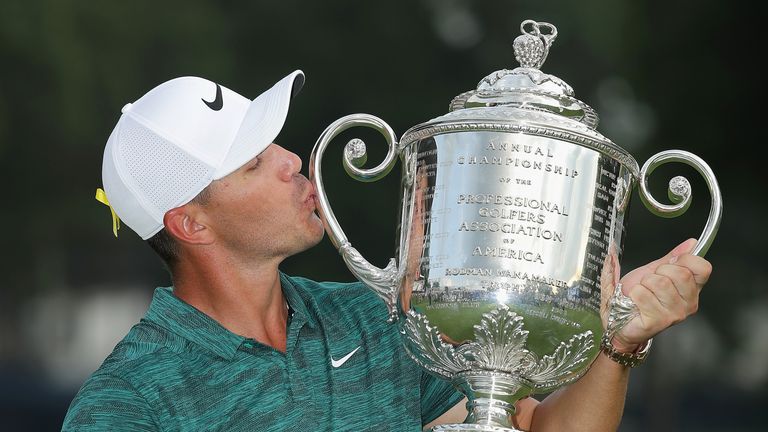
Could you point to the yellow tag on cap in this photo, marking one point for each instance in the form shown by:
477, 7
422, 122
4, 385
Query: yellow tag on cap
101, 197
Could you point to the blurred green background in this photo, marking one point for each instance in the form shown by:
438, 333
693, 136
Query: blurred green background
661, 74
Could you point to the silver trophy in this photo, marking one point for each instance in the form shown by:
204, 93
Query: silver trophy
511, 233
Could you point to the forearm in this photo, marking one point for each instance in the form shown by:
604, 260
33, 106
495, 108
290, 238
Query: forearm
593, 403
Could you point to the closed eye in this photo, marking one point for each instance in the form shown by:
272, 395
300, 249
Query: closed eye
254, 164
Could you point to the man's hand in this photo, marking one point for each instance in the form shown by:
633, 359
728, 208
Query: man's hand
666, 291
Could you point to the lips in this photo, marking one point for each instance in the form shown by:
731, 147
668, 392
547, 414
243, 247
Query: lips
311, 198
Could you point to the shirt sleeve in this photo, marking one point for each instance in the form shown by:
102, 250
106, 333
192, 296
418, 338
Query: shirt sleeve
109, 403
437, 396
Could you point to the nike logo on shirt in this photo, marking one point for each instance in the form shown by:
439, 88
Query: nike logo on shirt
341, 361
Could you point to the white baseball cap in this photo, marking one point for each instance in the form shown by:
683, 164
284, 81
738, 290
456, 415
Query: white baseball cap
178, 138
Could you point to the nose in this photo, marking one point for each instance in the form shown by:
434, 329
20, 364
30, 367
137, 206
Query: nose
291, 164
296, 161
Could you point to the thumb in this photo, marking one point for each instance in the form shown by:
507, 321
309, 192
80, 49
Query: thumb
635, 276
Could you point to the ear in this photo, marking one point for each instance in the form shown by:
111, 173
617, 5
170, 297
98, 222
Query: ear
184, 225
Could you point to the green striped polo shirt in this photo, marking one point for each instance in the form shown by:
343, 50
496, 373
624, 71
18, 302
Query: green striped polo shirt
344, 370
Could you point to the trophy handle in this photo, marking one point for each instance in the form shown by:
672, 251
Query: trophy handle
621, 308
384, 282
680, 194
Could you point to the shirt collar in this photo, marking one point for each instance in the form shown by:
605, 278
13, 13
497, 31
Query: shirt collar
185, 320
300, 301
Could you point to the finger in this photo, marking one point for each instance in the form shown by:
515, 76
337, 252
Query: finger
668, 296
683, 248
637, 274
683, 278
700, 267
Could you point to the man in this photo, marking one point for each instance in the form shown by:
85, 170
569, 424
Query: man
237, 345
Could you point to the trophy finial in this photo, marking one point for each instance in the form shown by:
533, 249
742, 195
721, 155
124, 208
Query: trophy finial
532, 47
527, 87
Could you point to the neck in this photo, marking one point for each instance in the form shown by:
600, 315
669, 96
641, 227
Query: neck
245, 299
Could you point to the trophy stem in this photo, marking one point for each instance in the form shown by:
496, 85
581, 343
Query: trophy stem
492, 412
492, 396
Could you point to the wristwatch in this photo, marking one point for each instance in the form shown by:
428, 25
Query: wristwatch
631, 359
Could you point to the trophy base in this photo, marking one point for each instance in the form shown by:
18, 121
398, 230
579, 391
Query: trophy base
465, 427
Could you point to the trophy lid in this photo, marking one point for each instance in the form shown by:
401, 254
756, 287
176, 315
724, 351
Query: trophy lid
527, 87
524, 100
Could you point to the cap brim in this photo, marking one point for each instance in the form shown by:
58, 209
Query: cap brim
263, 120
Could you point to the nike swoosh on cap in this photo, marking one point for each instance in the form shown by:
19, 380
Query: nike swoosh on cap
341, 361
218, 102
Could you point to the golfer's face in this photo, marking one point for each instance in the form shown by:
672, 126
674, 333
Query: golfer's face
267, 206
